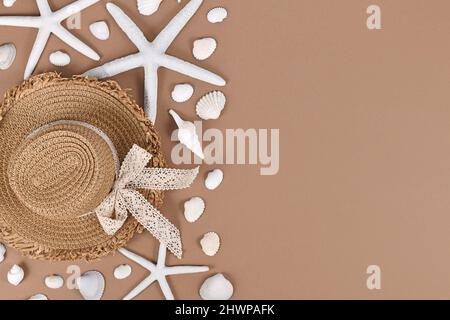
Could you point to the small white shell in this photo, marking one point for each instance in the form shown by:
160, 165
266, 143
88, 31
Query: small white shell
2, 252
187, 134
123, 271
38, 296
204, 48
7, 55
182, 92
210, 243
214, 179
99, 30
216, 15
216, 287
211, 105
91, 285
193, 209
8, 3
59, 58
148, 7
54, 281
15, 275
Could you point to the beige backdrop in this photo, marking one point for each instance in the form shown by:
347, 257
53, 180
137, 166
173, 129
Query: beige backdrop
364, 120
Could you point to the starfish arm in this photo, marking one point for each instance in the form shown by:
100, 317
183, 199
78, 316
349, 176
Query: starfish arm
171, 31
116, 66
140, 287
36, 52
44, 7
19, 21
165, 288
190, 69
128, 26
138, 259
185, 269
73, 8
161, 256
75, 43
151, 92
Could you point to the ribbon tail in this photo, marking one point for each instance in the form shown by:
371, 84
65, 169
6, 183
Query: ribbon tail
164, 179
152, 220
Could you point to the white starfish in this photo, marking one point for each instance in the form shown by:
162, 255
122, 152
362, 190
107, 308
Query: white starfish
152, 55
158, 272
50, 22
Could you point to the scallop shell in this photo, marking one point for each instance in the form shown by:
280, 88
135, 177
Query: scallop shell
54, 281
2, 252
38, 296
211, 105
59, 58
91, 285
216, 287
214, 179
204, 48
99, 30
7, 55
216, 15
15, 275
187, 134
193, 209
148, 7
210, 243
8, 3
182, 92
123, 271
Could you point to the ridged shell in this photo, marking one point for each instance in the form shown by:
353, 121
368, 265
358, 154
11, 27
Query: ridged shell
7, 55
204, 48
216, 287
216, 15
210, 243
211, 105
15, 275
193, 209
91, 285
100, 30
59, 58
148, 7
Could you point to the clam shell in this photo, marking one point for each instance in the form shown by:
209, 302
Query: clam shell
182, 92
123, 271
148, 7
204, 48
54, 281
7, 55
99, 30
216, 287
91, 285
210, 243
216, 15
59, 58
193, 209
214, 179
15, 275
8, 3
2, 252
38, 296
211, 105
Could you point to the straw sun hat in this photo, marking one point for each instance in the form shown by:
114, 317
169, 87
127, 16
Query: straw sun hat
61, 144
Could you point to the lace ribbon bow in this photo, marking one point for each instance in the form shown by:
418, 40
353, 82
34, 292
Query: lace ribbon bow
124, 198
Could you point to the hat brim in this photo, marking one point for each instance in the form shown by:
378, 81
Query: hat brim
46, 98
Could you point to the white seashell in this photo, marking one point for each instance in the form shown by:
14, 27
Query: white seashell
38, 296
214, 179
148, 7
193, 209
204, 48
2, 252
210, 243
91, 285
7, 55
211, 105
187, 134
8, 3
54, 281
59, 58
182, 92
122, 271
216, 15
99, 30
15, 275
216, 287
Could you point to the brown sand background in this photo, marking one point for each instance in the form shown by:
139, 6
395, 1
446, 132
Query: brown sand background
365, 148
